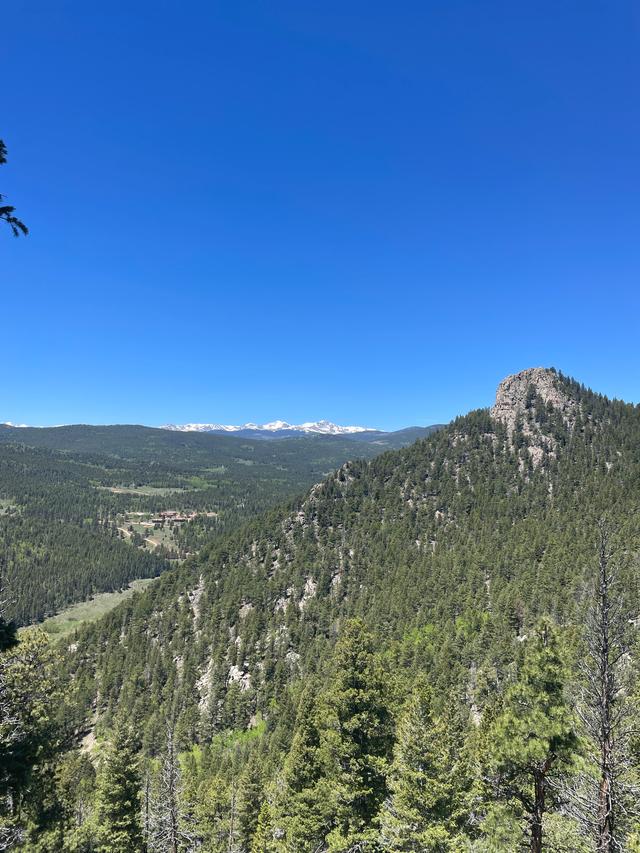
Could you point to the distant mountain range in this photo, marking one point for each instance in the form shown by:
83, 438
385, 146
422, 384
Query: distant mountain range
283, 429
275, 428
125, 439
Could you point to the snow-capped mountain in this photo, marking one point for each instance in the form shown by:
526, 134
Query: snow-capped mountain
318, 427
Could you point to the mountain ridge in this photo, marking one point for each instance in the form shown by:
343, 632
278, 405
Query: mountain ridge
56, 436
322, 427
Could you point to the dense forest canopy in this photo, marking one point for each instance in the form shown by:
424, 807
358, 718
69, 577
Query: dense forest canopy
431, 650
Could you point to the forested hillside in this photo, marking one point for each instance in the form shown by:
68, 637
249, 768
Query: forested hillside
408, 658
69, 495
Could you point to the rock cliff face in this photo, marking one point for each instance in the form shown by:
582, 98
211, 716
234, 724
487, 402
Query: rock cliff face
512, 395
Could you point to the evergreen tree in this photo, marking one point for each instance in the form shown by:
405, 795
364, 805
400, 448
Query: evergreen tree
75, 788
306, 804
263, 838
118, 795
29, 734
357, 737
533, 739
8, 632
418, 814
250, 796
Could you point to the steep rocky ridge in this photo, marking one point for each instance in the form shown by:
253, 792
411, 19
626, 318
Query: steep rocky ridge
515, 394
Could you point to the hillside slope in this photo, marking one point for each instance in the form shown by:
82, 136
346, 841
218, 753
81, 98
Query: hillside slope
70, 495
465, 538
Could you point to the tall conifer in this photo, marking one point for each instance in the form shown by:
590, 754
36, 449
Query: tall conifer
118, 795
357, 737
418, 815
533, 739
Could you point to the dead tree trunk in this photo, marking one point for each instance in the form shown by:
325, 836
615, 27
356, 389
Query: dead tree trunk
604, 707
606, 691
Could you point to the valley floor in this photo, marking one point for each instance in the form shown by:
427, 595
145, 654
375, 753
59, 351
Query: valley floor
73, 617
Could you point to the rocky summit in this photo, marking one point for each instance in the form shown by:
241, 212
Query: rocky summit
515, 392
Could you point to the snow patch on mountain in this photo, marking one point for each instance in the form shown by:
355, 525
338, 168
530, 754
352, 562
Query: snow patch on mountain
320, 427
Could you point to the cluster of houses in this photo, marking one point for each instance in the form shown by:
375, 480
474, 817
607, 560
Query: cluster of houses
170, 516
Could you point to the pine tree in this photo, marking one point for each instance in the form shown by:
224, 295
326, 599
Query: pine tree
8, 630
306, 804
418, 814
215, 817
250, 795
232, 840
75, 787
533, 738
263, 838
118, 795
29, 733
357, 737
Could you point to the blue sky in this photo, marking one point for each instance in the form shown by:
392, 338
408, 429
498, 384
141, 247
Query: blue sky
364, 211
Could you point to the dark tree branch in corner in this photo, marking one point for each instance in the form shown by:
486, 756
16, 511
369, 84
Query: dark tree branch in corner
6, 210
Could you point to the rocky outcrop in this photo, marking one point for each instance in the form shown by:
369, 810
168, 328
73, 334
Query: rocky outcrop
513, 395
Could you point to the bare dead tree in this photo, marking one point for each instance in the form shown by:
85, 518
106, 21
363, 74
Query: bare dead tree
10, 837
167, 821
604, 797
146, 806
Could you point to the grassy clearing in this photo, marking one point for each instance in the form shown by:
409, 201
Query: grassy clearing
153, 536
88, 611
161, 536
149, 491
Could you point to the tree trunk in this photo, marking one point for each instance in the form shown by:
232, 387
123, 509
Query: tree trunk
538, 812
607, 697
605, 817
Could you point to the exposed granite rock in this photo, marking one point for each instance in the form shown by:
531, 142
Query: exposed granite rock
239, 676
511, 397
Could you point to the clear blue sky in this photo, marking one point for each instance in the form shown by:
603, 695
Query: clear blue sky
365, 211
